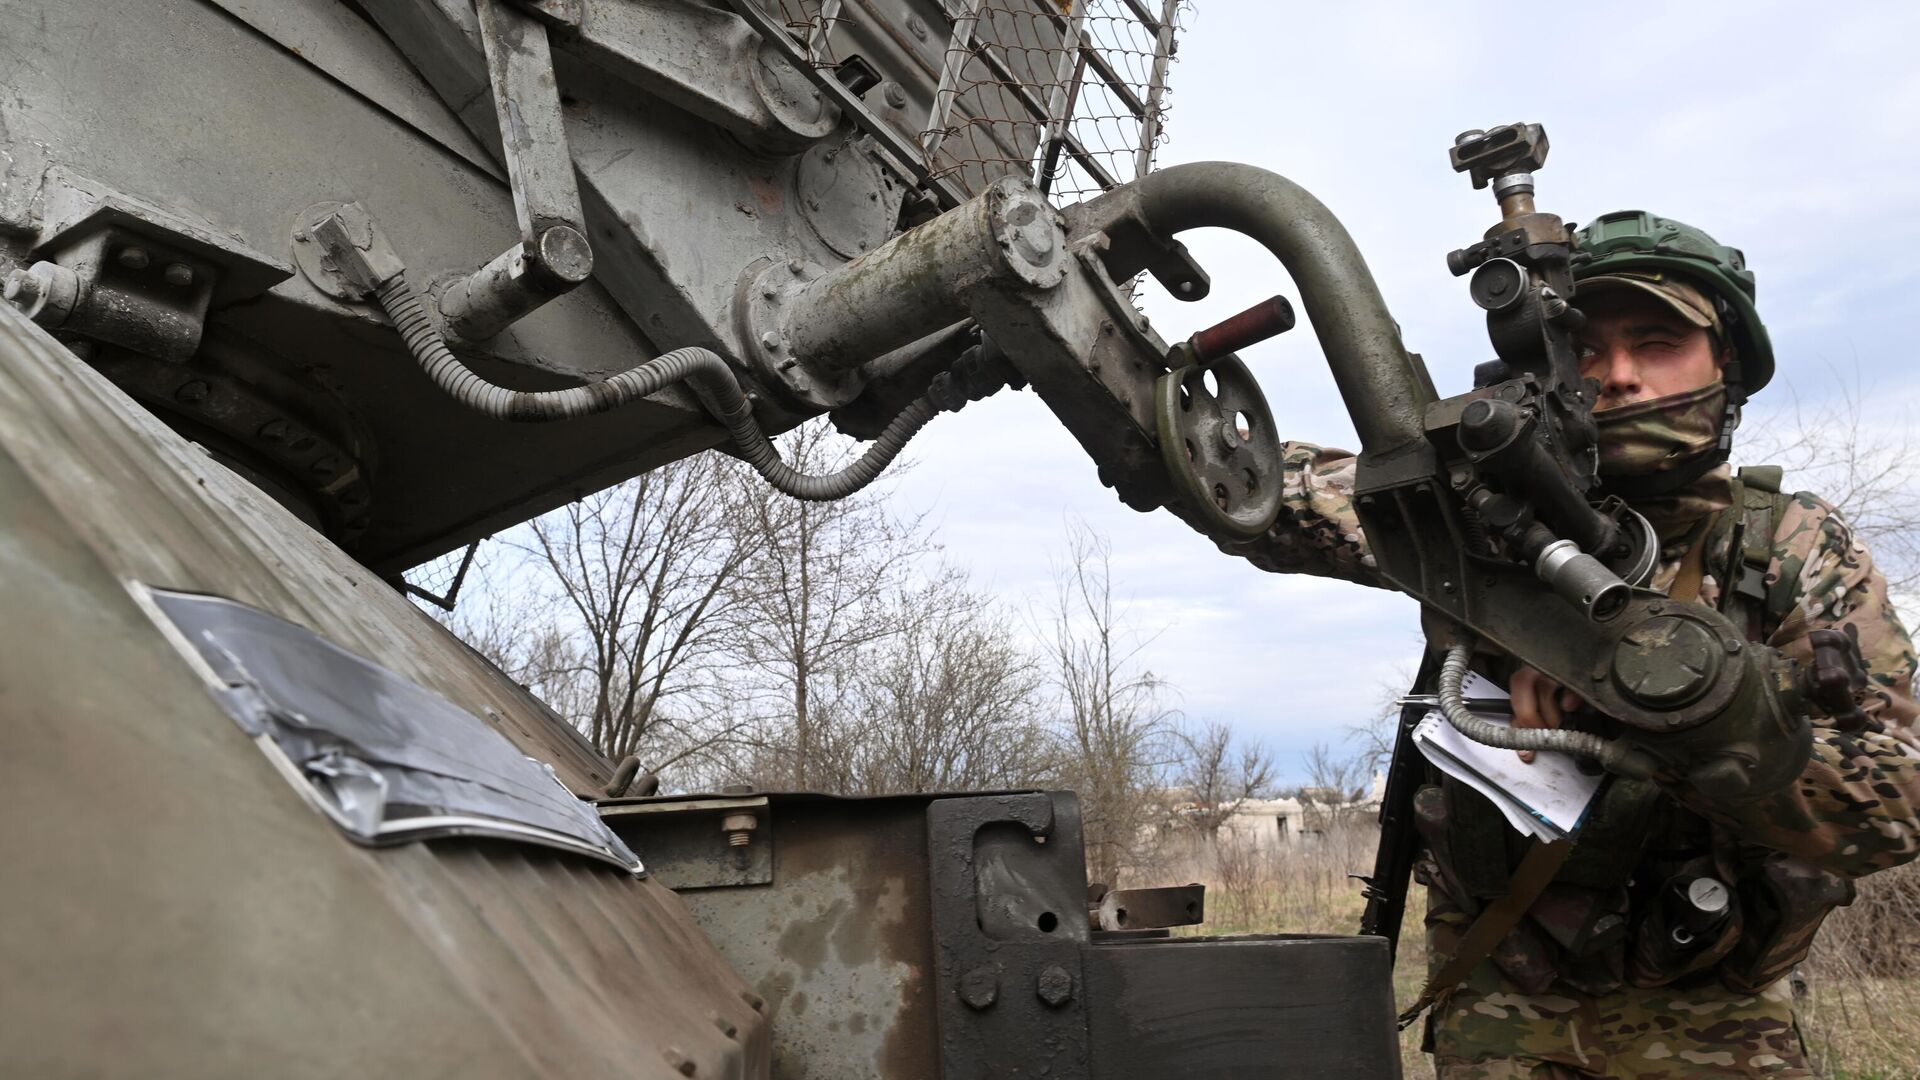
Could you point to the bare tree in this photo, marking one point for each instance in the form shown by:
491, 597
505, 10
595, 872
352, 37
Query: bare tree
952, 702
1218, 773
1867, 471
639, 577
1115, 721
811, 596
1334, 783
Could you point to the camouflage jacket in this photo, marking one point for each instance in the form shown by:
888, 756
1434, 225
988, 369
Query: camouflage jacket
1855, 809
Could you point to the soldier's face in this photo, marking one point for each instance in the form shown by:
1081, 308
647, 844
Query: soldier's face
1638, 348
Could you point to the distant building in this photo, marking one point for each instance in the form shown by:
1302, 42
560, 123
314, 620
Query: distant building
1298, 820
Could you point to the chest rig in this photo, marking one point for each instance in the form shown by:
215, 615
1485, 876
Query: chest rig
1597, 923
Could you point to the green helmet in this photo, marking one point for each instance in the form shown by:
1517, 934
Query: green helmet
1634, 241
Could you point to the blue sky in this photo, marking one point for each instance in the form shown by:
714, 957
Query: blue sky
1789, 132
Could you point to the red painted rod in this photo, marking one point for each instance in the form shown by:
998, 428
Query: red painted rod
1268, 318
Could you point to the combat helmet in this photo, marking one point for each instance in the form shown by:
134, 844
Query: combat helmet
1635, 244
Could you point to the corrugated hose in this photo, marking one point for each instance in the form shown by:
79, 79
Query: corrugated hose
1453, 673
713, 382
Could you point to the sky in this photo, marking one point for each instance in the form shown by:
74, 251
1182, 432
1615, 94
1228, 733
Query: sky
1787, 131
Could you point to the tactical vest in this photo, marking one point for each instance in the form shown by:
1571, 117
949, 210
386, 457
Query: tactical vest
1598, 925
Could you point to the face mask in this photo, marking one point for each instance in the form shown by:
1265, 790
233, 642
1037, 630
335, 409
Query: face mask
1661, 434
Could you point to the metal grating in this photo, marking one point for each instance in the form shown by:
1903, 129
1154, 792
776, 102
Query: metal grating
1013, 97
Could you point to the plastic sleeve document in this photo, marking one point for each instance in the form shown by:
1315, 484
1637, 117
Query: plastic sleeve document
1547, 799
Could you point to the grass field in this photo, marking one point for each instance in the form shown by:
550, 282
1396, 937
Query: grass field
1860, 1018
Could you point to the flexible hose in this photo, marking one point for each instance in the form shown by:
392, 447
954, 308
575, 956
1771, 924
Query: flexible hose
712, 380
1453, 673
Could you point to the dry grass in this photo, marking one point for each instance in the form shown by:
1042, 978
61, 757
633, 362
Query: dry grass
1861, 1014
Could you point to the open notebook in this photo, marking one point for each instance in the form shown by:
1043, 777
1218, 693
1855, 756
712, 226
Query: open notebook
1548, 799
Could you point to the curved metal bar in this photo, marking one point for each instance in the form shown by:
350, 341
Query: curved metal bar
1385, 388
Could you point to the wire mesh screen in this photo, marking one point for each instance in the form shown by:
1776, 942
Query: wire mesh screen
437, 581
1016, 96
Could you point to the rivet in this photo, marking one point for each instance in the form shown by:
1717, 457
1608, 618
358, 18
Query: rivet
681, 1063
770, 340
753, 1000
179, 275
726, 1026
134, 258
796, 266
193, 392
273, 430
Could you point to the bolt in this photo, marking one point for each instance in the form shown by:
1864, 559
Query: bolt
789, 364
133, 258
726, 1026
894, 94
796, 266
681, 1063
192, 393
179, 275
1055, 985
980, 987
770, 340
917, 27
739, 829
753, 1000
273, 430
325, 466
769, 292
1143, 322
22, 289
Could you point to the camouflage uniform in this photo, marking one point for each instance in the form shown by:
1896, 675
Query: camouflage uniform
1853, 811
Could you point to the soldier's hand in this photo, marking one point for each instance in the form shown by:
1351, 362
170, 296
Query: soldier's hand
1538, 702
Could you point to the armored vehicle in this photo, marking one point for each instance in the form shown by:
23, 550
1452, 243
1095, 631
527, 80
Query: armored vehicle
302, 294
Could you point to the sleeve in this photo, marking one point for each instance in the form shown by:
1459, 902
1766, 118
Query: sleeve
1317, 531
1856, 806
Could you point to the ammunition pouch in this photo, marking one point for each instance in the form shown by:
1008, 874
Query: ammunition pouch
1783, 902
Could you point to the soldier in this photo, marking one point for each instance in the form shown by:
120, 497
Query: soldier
1661, 947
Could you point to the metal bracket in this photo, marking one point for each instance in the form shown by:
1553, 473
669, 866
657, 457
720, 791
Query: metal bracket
1009, 932
552, 256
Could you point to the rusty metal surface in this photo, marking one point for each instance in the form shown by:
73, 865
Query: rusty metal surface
179, 905
1150, 909
838, 945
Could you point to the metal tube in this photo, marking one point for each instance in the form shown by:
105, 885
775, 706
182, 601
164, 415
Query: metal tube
1385, 389
920, 281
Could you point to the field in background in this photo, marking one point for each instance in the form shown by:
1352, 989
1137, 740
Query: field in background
1861, 1015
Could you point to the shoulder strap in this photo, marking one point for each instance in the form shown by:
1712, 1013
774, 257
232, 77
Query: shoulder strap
1757, 494
1536, 869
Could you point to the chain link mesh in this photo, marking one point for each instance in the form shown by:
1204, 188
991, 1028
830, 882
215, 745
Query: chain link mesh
437, 581
1014, 97
1023, 101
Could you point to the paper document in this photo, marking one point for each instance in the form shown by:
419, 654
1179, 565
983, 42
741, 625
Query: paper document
1547, 799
